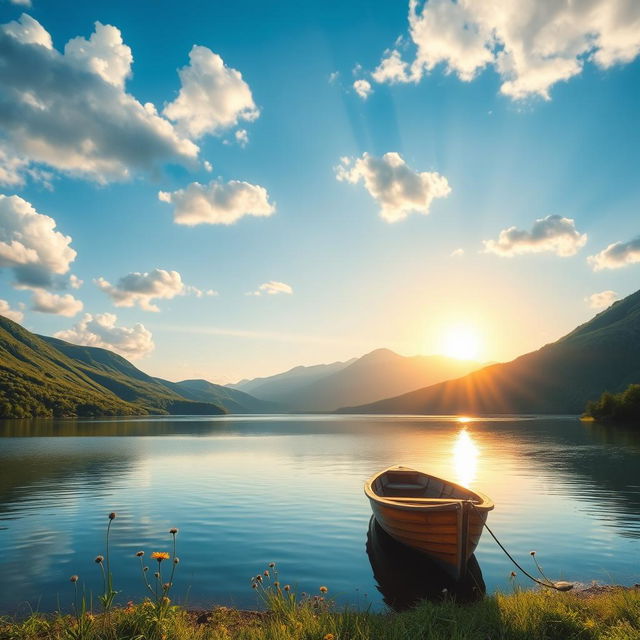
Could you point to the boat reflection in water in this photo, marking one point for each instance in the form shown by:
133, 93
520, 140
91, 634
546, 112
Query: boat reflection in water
404, 576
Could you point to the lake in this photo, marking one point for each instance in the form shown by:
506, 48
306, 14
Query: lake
248, 490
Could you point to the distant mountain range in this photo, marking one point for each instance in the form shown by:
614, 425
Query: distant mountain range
42, 376
600, 355
379, 374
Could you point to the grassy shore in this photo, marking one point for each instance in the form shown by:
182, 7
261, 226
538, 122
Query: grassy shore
613, 614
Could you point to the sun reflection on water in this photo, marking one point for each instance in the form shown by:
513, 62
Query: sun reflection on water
465, 458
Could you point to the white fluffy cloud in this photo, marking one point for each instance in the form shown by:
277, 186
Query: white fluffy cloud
69, 111
212, 97
103, 53
397, 188
616, 255
362, 88
602, 300
392, 69
553, 234
100, 330
532, 44
242, 137
272, 288
61, 305
30, 245
143, 288
8, 312
218, 202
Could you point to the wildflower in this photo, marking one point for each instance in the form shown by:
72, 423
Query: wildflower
513, 574
145, 568
323, 589
73, 578
165, 600
112, 515
329, 636
99, 559
276, 584
166, 586
532, 553
259, 578
156, 574
139, 554
254, 585
176, 560
160, 556
271, 565
266, 573
287, 587
90, 617
173, 531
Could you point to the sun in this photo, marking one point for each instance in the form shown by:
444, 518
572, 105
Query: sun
461, 342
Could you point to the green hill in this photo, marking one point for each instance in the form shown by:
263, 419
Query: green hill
600, 355
232, 400
41, 376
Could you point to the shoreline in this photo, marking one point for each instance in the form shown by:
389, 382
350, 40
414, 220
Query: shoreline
611, 611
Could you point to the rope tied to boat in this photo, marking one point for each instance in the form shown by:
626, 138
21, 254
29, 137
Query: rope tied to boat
560, 585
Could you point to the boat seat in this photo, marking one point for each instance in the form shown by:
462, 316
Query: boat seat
402, 486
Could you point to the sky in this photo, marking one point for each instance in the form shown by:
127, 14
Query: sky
223, 191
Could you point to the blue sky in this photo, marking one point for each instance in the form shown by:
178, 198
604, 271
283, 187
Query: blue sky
513, 147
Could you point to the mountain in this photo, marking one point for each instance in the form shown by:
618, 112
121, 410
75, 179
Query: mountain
37, 379
282, 385
600, 355
376, 375
232, 400
43, 376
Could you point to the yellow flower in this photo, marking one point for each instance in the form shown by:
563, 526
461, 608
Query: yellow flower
323, 589
329, 636
160, 555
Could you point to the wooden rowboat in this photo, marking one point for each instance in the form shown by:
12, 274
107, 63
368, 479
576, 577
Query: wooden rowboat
431, 515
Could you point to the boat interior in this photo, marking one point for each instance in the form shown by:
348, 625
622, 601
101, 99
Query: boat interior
401, 483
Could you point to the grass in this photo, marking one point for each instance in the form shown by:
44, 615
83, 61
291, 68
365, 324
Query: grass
605, 613
523, 615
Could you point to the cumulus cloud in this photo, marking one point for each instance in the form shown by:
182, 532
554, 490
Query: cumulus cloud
333, 76
70, 112
143, 288
616, 255
21, 3
553, 234
61, 305
103, 53
30, 246
100, 330
218, 202
392, 69
199, 293
456, 253
212, 97
8, 312
397, 188
242, 137
362, 88
75, 282
271, 288
532, 44
601, 300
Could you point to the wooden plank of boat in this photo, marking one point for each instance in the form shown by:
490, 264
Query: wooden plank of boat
439, 518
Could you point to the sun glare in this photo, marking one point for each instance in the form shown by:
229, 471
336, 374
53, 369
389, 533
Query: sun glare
461, 342
465, 458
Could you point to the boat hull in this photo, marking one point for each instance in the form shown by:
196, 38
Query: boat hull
447, 531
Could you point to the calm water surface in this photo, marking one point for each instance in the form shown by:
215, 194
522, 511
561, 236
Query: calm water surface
246, 491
